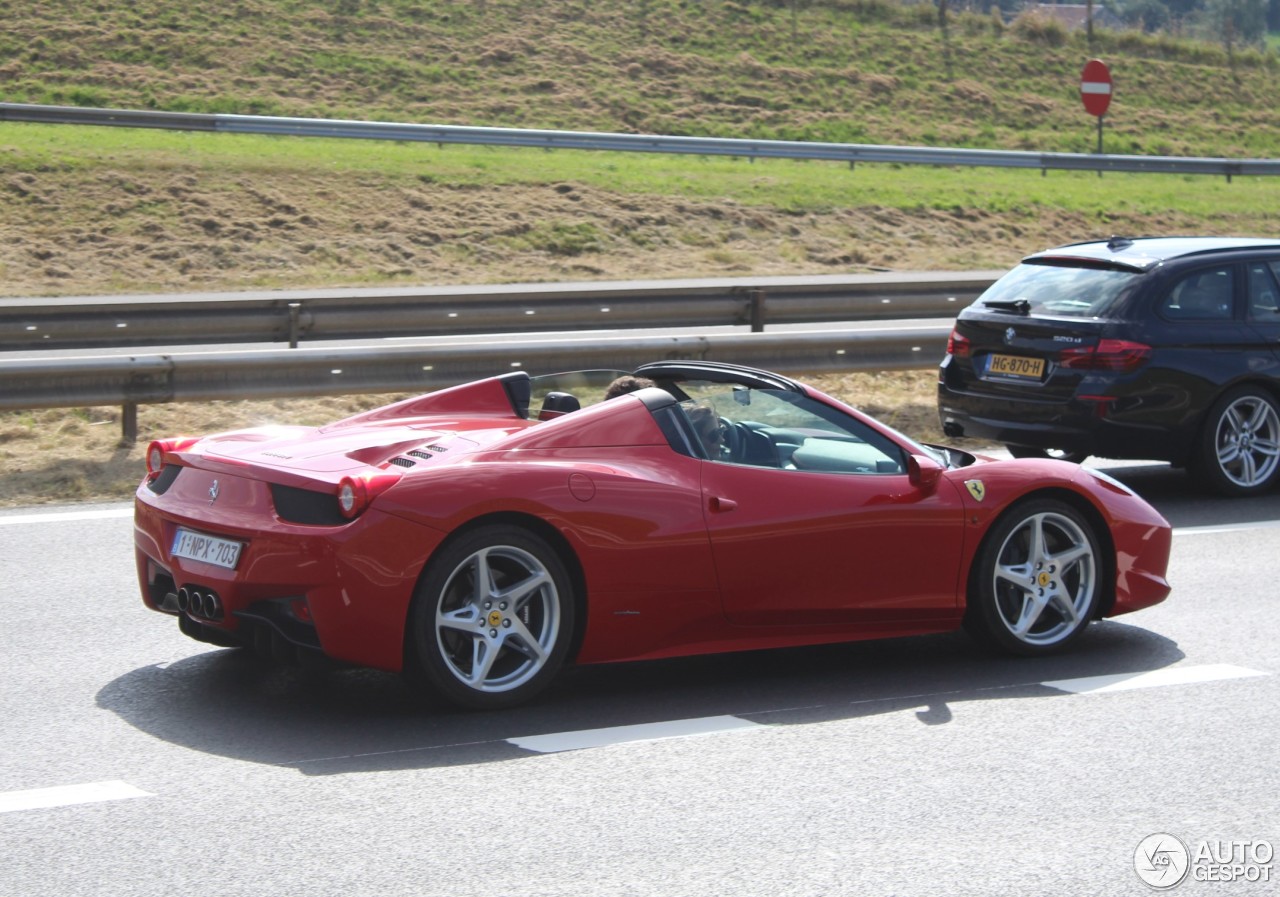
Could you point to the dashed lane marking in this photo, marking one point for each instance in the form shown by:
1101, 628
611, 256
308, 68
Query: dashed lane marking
594, 738
64, 516
1189, 675
68, 795
1224, 528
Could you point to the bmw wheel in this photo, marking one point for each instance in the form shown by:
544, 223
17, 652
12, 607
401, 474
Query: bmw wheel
492, 618
1037, 581
1240, 444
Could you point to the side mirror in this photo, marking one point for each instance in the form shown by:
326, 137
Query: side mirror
923, 472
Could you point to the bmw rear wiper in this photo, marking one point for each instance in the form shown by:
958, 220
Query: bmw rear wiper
1021, 306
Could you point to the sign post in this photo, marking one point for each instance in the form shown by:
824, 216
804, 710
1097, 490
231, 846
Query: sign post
1095, 92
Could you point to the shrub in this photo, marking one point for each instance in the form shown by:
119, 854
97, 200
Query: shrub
1038, 28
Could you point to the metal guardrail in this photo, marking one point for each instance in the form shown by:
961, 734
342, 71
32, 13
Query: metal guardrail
643, 143
380, 313
132, 380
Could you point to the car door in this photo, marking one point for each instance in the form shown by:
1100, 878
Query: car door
1263, 313
826, 527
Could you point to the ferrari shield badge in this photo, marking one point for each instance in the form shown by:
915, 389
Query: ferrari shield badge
976, 489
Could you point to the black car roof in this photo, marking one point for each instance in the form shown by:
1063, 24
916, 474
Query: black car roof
1143, 253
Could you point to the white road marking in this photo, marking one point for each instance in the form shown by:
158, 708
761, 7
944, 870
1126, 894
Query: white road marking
1155, 678
64, 516
68, 795
1224, 528
594, 738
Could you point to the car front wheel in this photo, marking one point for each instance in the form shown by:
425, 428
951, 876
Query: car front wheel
1036, 582
492, 617
1240, 444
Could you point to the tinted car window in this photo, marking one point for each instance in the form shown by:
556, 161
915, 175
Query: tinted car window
1205, 295
1264, 296
1061, 290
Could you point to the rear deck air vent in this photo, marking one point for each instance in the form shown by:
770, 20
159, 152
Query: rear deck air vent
404, 462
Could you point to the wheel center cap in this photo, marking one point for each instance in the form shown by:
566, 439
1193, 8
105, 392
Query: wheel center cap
1043, 579
494, 618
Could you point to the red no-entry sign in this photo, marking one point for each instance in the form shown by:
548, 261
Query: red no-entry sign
1095, 87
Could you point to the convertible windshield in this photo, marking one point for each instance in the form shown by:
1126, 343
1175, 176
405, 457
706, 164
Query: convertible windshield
785, 429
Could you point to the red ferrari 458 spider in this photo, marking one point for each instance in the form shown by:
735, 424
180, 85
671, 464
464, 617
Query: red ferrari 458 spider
481, 537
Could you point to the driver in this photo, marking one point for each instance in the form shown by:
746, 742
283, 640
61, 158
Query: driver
706, 423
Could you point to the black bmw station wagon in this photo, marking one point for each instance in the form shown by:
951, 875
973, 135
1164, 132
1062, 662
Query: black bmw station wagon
1161, 348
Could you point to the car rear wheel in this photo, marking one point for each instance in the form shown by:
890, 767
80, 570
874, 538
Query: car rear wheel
1240, 444
1036, 583
1026, 451
491, 618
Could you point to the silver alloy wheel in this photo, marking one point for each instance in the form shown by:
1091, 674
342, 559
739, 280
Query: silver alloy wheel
1246, 441
1044, 579
498, 619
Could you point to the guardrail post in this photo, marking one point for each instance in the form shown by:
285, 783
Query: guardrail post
294, 311
757, 310
129, 423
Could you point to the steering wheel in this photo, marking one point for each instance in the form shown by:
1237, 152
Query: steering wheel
734, 441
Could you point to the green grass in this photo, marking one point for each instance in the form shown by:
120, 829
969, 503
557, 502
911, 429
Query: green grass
795, 187
855, 70
135, 210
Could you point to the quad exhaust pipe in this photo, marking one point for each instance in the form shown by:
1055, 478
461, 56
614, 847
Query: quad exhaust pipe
202, 604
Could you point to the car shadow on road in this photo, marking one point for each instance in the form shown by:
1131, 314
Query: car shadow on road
228, 703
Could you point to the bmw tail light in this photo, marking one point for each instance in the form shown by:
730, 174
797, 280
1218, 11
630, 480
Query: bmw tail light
158, 451
357, 493
958, 345
1108, 355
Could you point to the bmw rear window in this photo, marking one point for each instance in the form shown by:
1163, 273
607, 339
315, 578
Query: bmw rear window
1059, 290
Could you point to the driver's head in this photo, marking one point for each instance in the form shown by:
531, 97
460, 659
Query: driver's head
706, 423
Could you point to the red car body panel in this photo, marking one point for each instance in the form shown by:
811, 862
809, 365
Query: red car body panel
673, 554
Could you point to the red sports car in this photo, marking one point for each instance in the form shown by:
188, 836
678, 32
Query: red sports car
481, 537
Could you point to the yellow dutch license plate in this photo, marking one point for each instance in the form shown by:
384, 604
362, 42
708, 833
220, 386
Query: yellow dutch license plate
1015, 366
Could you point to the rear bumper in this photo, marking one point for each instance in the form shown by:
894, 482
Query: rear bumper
341, 591
1073, 425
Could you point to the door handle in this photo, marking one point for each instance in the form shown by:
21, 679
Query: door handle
722, 504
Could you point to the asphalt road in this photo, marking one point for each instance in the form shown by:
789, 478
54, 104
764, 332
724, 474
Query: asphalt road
134, 761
